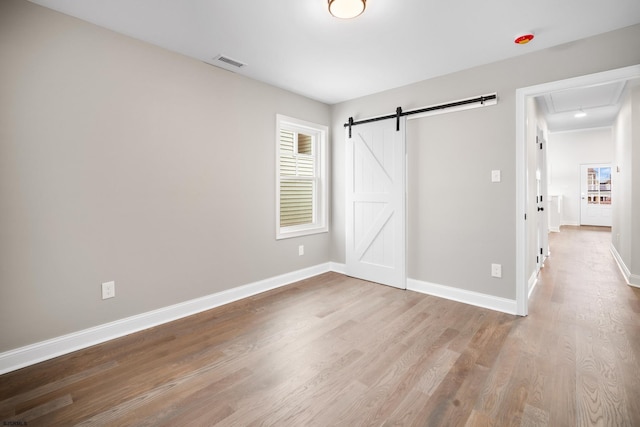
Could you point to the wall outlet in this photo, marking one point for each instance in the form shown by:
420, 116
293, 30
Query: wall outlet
495, 176
496, 270
301, 250
108, 290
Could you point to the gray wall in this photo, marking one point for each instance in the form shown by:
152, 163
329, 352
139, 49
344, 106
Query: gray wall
621, 223
448, 177
626, 189
635, 186
466, 242
122, 161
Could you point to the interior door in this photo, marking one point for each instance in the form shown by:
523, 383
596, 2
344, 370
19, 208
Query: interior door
541, 199
595, 195
375, 202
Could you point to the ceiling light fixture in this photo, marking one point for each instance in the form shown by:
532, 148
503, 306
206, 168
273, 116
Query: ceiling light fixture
580, 113
346, 9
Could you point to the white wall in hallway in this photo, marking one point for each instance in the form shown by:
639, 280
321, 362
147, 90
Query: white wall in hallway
566, 152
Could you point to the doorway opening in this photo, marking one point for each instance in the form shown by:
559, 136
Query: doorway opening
528, 227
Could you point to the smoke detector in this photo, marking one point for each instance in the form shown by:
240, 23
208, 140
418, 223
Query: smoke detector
523, 38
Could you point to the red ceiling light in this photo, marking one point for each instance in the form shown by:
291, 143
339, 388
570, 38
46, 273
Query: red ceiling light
523, 39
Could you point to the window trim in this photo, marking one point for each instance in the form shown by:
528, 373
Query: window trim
320, 222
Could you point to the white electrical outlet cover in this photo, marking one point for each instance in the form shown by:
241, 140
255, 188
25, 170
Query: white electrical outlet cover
108, 290
496, 270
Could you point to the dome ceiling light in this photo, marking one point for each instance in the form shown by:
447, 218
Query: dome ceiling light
347, 9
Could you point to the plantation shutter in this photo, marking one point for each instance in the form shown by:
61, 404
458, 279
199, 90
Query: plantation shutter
297, 178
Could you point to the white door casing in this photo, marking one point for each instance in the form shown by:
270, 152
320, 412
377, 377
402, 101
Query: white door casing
376, 203
595, 195
541, 199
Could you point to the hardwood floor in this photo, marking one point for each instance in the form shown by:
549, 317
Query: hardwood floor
336, 351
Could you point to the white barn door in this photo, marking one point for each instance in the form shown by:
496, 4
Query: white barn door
376, 199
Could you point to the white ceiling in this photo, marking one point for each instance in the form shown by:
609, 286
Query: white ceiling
298, 46
600, 103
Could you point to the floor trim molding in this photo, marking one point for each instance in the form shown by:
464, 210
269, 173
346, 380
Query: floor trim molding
533, 281
461, 295
38, 352
31, 354
631, 279
338, 267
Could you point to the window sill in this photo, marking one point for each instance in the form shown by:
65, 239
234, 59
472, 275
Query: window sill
299, 232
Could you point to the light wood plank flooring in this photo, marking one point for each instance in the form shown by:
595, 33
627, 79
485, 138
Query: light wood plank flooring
336, 351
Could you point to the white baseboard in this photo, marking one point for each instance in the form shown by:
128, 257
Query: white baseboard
461, 295
45, 350
631, 279
554, 229
532, 282
621, 265
338, 267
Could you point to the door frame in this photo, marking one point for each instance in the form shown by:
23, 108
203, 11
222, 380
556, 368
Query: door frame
542, 203
522, 94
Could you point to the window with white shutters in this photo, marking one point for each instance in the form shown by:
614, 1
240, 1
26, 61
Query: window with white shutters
301, 172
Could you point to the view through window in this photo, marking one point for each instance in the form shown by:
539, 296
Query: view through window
599, 186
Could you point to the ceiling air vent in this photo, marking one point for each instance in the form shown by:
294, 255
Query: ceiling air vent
226, 61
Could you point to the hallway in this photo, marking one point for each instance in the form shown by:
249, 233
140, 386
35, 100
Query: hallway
584, 326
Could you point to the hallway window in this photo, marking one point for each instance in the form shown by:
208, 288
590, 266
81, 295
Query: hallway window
599, 186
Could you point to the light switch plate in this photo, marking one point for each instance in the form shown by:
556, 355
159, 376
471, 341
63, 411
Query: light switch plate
495, 175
